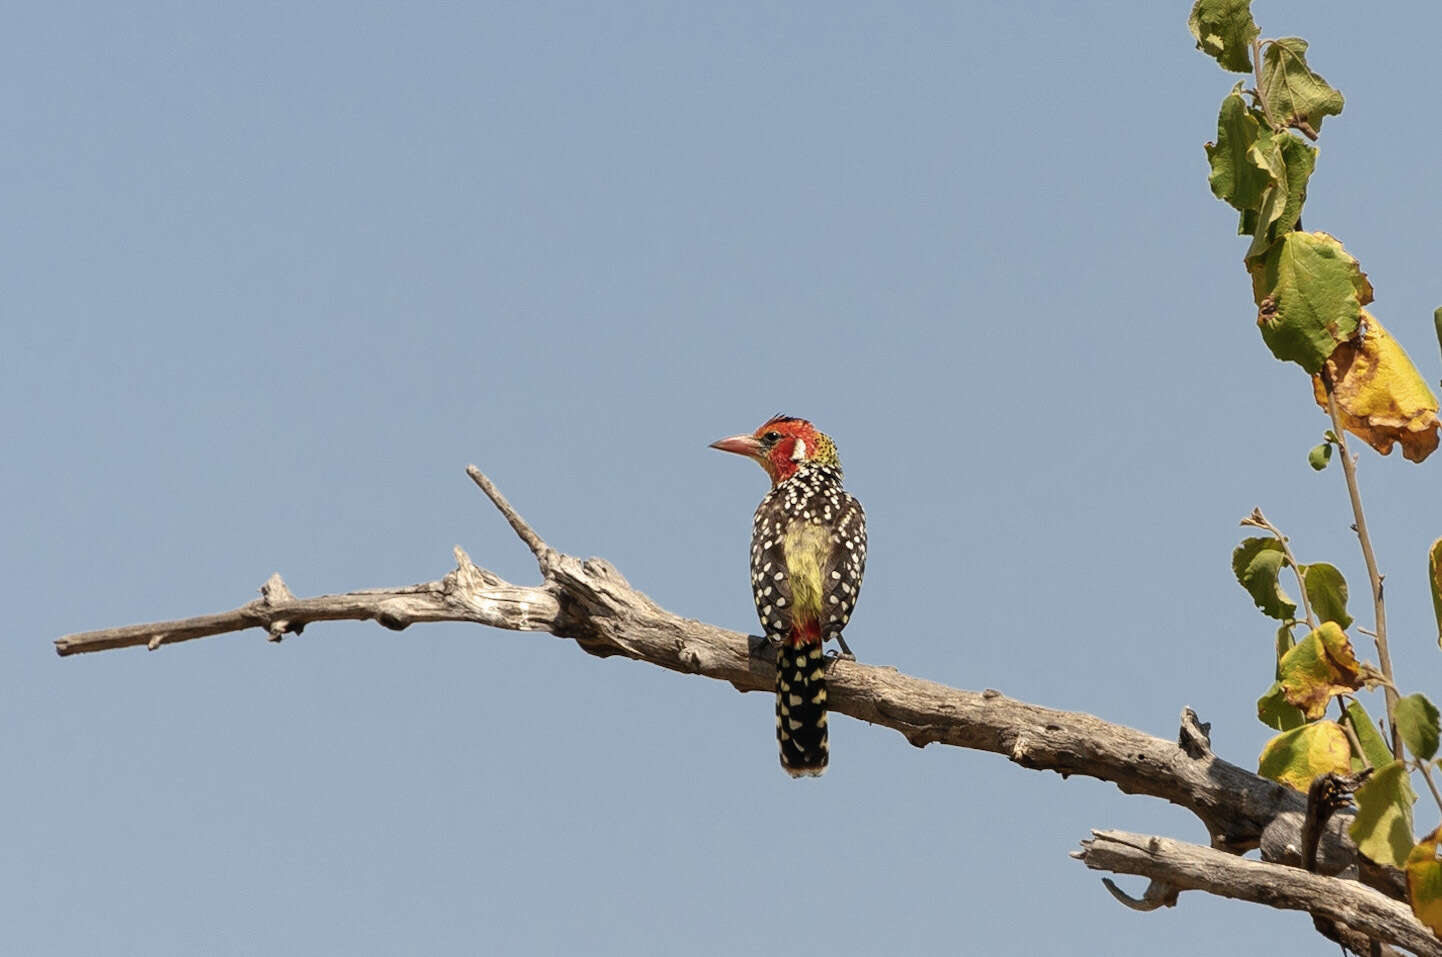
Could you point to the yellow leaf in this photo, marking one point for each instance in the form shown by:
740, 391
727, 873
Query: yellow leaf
1296, 757
1318, 667
1380, 396
1424, 882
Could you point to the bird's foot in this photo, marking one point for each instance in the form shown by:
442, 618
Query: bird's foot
764, 646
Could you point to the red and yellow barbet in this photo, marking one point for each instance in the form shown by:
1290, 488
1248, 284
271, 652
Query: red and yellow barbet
808, 554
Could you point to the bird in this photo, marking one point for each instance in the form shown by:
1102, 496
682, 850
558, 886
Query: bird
808, 555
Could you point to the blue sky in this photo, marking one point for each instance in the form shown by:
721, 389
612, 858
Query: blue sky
275, 273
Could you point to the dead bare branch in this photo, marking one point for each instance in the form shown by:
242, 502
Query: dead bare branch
543, 552
1157, 895
1193, 867
468, 593
590, 602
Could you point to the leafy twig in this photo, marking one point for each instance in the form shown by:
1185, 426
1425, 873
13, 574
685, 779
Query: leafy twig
1260, 521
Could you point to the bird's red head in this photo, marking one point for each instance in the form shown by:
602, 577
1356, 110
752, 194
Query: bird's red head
782, 445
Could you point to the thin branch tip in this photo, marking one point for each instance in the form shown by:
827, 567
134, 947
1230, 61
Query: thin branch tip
545, 556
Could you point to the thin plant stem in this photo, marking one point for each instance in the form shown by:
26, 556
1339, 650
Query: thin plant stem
1427, 776
1349, 470
1345, 722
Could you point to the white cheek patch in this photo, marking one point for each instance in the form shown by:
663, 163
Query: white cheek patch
799, 454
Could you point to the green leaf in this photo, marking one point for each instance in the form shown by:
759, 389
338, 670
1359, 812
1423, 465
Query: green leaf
1417, 723
1262, 225
1240, 171
1320, 666
1424, 882
1224, 29
1309, 294
1300, 159
1294, 95
1296, 757
1327, 592
1267, 154
1434, 579
1257, 562
1281, 203
1274, 712
1320, 456
1285, 643
1373, 747
1383, 825
1437, 324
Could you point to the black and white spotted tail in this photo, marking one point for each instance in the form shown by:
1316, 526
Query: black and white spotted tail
801, 707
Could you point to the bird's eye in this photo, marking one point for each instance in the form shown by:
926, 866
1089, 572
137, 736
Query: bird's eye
772, 436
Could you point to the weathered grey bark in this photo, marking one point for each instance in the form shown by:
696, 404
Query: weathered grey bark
1193, 867
589, 602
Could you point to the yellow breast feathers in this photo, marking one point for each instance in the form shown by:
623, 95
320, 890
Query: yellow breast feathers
807, 547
